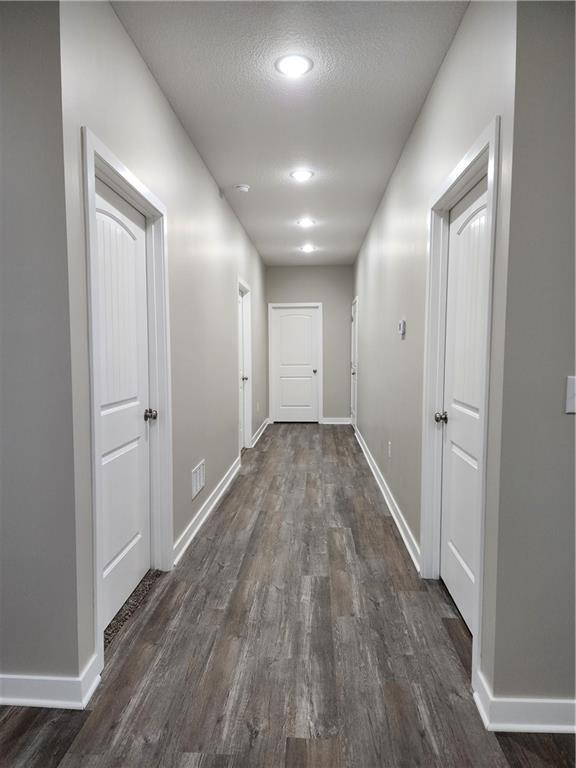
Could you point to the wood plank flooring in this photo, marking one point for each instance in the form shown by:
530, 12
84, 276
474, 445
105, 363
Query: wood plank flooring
295, 633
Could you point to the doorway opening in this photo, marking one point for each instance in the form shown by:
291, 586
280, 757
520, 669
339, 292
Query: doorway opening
129, 381
244, 366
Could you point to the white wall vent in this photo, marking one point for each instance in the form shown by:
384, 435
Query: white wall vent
198, 478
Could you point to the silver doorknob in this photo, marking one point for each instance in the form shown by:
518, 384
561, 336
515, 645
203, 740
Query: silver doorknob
150, 414
441, 417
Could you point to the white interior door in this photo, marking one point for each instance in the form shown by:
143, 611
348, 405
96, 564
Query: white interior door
354, 364
241, 379
122, 387
295, 358
464, 396
245, 367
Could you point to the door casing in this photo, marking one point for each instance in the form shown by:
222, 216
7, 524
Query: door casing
481, 160
99, 162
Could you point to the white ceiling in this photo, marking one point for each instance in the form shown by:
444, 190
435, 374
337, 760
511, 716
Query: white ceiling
348, 119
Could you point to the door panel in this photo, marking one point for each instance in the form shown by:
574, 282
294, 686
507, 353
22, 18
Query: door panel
241, 405
464, 385
296, 392
122, 324
354, 364
295, 363
296, 333
245, 368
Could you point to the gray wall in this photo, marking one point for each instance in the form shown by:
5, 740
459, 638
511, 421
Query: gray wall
474, 84
534, 627
528, 608
334, 287
107, 87
56, 77
38, 626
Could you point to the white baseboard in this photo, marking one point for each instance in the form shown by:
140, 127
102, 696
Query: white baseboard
523, 715
57, 692
411, 544
184, 540
260, 431
336, 420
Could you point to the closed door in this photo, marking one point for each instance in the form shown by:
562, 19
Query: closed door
244, 369
464, 396
295, 356
354, 364
122, 355
241, 374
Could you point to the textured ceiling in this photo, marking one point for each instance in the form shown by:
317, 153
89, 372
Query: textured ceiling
347, 119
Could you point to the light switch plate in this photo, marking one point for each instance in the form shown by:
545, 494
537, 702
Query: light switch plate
571, 394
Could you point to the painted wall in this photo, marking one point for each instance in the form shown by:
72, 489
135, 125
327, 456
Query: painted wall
107, 87
38, 626
62, 68
527, 638
474, 84
534, 628
333, 286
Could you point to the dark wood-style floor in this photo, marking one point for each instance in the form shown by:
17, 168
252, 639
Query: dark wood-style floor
295, 633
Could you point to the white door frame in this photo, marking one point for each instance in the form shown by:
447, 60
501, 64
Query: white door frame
481, 160
272, 391
246, 293
100, 163
354, 344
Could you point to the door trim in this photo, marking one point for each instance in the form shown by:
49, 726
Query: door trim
272, 394
100, 163
481, 160
246, 293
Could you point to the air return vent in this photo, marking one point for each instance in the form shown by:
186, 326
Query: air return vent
198, 478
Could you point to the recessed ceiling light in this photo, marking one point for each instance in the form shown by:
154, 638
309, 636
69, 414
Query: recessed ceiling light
308, 248
242, 187
306, 222
301, 175
294, 65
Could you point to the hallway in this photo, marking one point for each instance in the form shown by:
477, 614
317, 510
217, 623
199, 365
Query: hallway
295, 632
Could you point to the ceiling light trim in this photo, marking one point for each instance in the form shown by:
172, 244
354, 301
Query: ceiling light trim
306, 222
301, 175
293, 66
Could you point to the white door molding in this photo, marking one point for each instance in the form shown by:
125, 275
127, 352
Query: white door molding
246, 293
481, 160
99, 162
